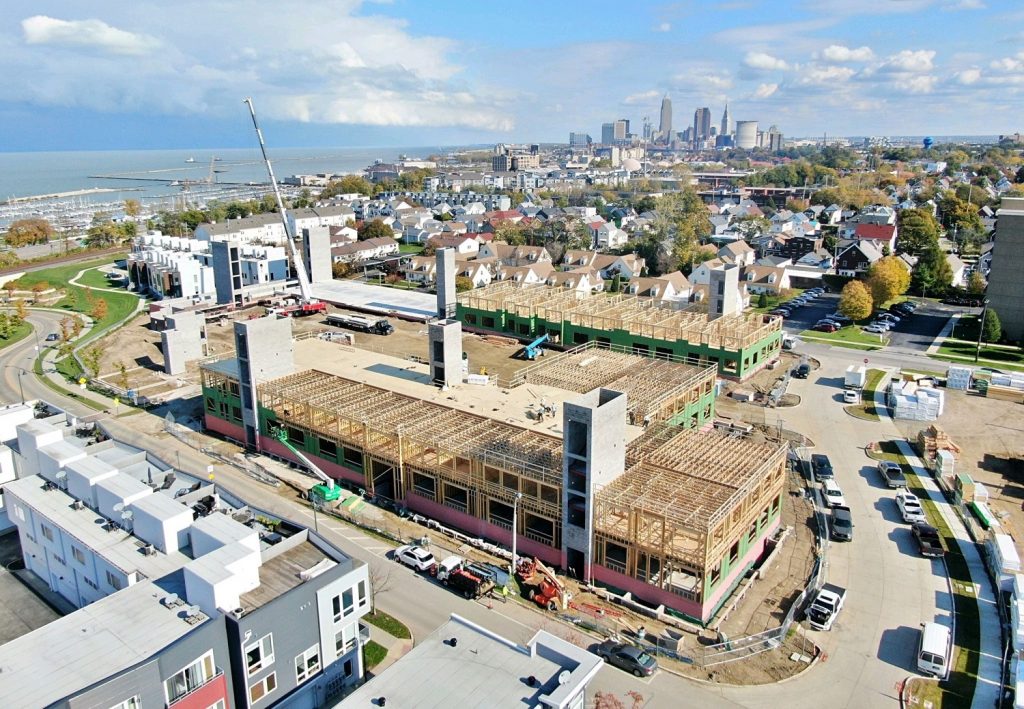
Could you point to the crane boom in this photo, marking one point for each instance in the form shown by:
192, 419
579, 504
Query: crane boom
300, 267
327, 491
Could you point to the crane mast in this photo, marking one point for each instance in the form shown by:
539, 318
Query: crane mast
300, 268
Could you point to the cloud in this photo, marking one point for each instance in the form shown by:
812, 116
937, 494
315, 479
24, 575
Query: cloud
764, 62
664, 27
825, 75
964, 5
640, 98
1009, 64
917, 84
40, 29
838, 53
765, 90
968, 76
909, 60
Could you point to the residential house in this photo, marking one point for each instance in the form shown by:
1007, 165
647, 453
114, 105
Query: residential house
671, 288
329, 216
514, 255
524, 275
959, 269
581, 280
607, 236
737, 253
343, 235
701, 274
368, 250
465, 246
625, 266
881, 234
856, 258
766, 279
421, 269
481, 274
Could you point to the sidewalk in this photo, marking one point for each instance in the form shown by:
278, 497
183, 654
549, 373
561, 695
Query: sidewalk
946, 331
396, 647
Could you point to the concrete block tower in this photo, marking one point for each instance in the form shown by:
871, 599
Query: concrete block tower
593, 454
183, 341
227, 271
316, 253
445, 333
724, 291
265, 351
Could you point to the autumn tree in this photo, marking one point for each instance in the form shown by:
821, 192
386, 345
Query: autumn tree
10, 287
38, 288
375, 229
349, 184
99, 309
23, 232
341, 269
918, 231
132, 207
5, 326
991, 328
92, 358
855, 301
463, 283
122, 375
887, 278
959, 214
932, 273
21, 309
510, 232
976, 283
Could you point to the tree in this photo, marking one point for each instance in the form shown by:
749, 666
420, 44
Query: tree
375, 229
21, 309
349, 184
976, 283
122, 375
5, 326
463, 283
92, 358
608, 700
762, 300
855, 301
99, 309
917, 231
132, 207
1019, 176
341, 269
510, 232
379, 577
959, 214
991, 328
38, 288
616, 283
887, 278
932, 273
22, 232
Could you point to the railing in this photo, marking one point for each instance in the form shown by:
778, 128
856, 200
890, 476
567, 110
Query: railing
195, 689
364, 633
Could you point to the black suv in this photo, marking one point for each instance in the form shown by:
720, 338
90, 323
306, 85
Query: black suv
802, 371
821, 466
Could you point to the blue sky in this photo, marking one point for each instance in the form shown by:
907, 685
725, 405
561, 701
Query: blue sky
104, 74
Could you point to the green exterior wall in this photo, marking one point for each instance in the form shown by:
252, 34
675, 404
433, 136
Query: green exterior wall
744, 546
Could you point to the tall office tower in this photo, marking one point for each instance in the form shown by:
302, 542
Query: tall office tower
607, 133
622, 130
701, 124
579, 140
773, 139
726, 128
665, 126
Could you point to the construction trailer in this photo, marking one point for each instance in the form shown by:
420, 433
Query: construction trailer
738, 344
685, 517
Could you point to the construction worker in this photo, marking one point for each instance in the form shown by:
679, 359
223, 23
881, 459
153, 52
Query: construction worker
641, 633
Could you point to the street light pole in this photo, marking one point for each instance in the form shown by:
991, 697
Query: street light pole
981, 328
21, 384
515, 505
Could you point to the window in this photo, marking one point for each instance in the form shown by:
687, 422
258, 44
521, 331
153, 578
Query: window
218, 705
191, 678
345, 639
262, 688
90, 583
47, 532
19, 513
362, 593
113, 581
307, 664
259, 654
342, 605
78, 555
130, 703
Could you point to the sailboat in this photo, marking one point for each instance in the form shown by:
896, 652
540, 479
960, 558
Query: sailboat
190, 159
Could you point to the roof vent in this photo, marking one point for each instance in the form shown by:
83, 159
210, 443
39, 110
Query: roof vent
454, 642
77, 505
170, 600
532, 681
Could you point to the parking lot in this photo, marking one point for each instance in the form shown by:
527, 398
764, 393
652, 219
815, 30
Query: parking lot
914, 333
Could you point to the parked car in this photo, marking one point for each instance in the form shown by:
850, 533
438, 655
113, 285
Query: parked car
842, 524
781, 312
875, 329
821, 466
840, 318
892, 474
52, 337
902, 309
802, 371
415, 557
627, 657
851, 396
887, 316
929, 543
887, 324
832, 493
909, 506
826, 606
826, 327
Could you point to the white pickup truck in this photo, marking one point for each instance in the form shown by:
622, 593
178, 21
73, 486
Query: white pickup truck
827, 604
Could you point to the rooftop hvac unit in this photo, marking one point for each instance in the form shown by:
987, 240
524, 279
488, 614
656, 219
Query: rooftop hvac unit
149, 550
78, 505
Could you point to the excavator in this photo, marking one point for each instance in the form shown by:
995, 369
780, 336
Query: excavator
306, 303
326, 491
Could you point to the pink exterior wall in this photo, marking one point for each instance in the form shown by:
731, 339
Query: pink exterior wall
482, 528
340, 472
694, 609
224, 428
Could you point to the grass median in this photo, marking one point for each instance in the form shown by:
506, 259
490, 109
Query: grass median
866, 409
851, 337
373, 654
389, 624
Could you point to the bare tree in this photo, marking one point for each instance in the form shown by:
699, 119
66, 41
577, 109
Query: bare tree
380, 582
608, 700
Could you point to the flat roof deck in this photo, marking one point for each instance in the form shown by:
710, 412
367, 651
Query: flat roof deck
378, 299
280, 574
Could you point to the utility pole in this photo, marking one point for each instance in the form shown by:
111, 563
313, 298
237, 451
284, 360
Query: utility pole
515, 505
981, 329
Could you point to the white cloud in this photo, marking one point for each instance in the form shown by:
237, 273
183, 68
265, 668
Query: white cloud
840, 53
917, 83
642, 97
964, 5
968, 76
664, 27
910, 60
40, 29
764, 62
1009, 64
825, 75
765, 90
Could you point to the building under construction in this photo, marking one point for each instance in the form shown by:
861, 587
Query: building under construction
607, 455
739, 344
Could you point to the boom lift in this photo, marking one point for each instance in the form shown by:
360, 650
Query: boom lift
542, 585
532, 350
307, 304
324, 492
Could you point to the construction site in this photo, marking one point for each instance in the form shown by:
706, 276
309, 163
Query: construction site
738, 343
649, 501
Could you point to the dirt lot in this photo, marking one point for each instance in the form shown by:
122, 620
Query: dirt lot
991, 435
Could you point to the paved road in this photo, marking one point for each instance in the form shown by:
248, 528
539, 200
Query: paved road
891, 590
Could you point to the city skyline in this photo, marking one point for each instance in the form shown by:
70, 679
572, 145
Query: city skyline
395, 73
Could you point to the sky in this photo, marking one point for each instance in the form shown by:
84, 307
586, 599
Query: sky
106, 74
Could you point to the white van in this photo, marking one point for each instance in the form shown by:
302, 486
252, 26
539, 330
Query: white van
934, 650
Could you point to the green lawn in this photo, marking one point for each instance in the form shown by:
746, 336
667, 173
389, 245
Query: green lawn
19, 332
866, 409
389, 624
97, 279
373, 654
1005, 355
850, 337
773, 300
411, 249
59, 275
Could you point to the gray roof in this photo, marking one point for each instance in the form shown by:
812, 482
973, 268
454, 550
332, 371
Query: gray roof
97, 641
482, 669
228, 367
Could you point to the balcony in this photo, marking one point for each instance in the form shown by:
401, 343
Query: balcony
184, 701
364, 634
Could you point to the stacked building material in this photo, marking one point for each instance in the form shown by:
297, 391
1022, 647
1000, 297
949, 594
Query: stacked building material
933, 439
916, 403
1006, 387
959, 377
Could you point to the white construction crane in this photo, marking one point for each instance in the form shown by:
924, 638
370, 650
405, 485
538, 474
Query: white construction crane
305, 291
